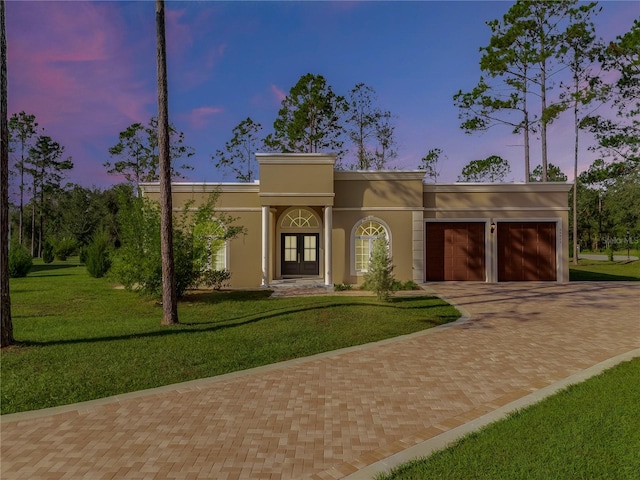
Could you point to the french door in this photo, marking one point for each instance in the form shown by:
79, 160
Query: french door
300, 254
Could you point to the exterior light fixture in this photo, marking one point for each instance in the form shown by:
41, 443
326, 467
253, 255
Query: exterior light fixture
493, 227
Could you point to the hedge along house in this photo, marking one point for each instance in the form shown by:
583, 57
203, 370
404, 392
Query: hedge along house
306, 220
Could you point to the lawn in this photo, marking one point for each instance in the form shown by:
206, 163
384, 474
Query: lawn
595, 270
80, 338
588, 431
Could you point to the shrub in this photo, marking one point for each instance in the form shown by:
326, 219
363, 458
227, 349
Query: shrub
97, 256
20, 261
47, 252
216, 279
64, 248
339, 287
379, 278
82, 254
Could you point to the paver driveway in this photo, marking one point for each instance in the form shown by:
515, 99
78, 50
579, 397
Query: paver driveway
331, 415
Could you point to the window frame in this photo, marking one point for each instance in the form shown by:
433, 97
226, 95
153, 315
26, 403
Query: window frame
353, 262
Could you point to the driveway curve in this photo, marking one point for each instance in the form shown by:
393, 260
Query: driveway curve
332, 415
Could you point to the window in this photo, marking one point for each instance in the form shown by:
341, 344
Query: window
367, 232
299, 218
210, 245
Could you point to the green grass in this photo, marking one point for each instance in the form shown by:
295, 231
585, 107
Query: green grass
588, 431
594, 270
81, 339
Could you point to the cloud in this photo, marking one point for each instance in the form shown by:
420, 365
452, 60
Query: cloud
278, 94
199, 117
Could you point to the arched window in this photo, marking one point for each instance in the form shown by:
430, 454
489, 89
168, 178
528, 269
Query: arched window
299, 218
365, 233
210, 245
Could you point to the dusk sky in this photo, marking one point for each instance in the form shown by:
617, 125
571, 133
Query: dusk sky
87, 71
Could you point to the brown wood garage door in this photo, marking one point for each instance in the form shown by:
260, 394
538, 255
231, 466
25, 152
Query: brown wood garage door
526, 251
455, 251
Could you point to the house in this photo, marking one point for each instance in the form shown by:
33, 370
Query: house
305, 219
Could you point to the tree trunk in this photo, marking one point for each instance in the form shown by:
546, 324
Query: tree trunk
575, 175
169, 295
6, 324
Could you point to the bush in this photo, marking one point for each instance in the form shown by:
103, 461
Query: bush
379, 278
82, 254
216, 279
47, 252
64, 248
340, 287
97, 256
20, 261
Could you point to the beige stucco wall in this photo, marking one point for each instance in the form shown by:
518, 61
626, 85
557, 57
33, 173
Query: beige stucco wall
542, 202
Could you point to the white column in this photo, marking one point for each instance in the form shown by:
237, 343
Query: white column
328, 229
265, 246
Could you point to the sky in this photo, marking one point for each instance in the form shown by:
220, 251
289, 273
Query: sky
87, 70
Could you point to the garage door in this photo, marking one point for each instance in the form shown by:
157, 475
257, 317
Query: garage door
455, 251
526, 251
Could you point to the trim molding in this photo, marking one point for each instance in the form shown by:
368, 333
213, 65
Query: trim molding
378, 209
294, 194
497, 187
496, 209
378, 175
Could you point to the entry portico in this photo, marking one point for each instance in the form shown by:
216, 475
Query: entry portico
301, 183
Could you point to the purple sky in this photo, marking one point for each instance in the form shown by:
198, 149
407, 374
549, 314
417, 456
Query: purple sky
87, 71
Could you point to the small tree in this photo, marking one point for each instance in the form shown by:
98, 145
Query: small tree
379, 277
490, 169
430, 163
554, 174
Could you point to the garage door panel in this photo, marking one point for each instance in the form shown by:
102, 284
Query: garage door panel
455, 251
526, 251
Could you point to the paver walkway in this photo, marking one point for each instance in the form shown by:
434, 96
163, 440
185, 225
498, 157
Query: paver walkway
329, 416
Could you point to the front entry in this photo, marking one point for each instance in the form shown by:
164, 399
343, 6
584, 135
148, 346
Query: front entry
300, 254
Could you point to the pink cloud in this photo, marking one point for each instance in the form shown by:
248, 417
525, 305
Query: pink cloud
199, 117
278, 94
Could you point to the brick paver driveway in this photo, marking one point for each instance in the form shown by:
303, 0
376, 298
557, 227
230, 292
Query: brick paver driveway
328, 416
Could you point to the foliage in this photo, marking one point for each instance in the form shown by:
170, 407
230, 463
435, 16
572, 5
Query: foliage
588, 430
379, 276
340, 287
64, 248
490, 169
137, 149
20, 261
239, 151
429, 163
619, 138
137, 264
554, 174
309, 120
47, 252
98, 261
216, 279
82, 339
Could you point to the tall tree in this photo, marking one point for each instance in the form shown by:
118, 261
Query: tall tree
6, 323
239, 151
47, 171
169, 291
520, 54
137, 149
490, 169
385, 149
429, 163
310, 118
577, 51
23, 128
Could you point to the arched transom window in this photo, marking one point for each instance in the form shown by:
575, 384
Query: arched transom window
364, 236
299, 218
